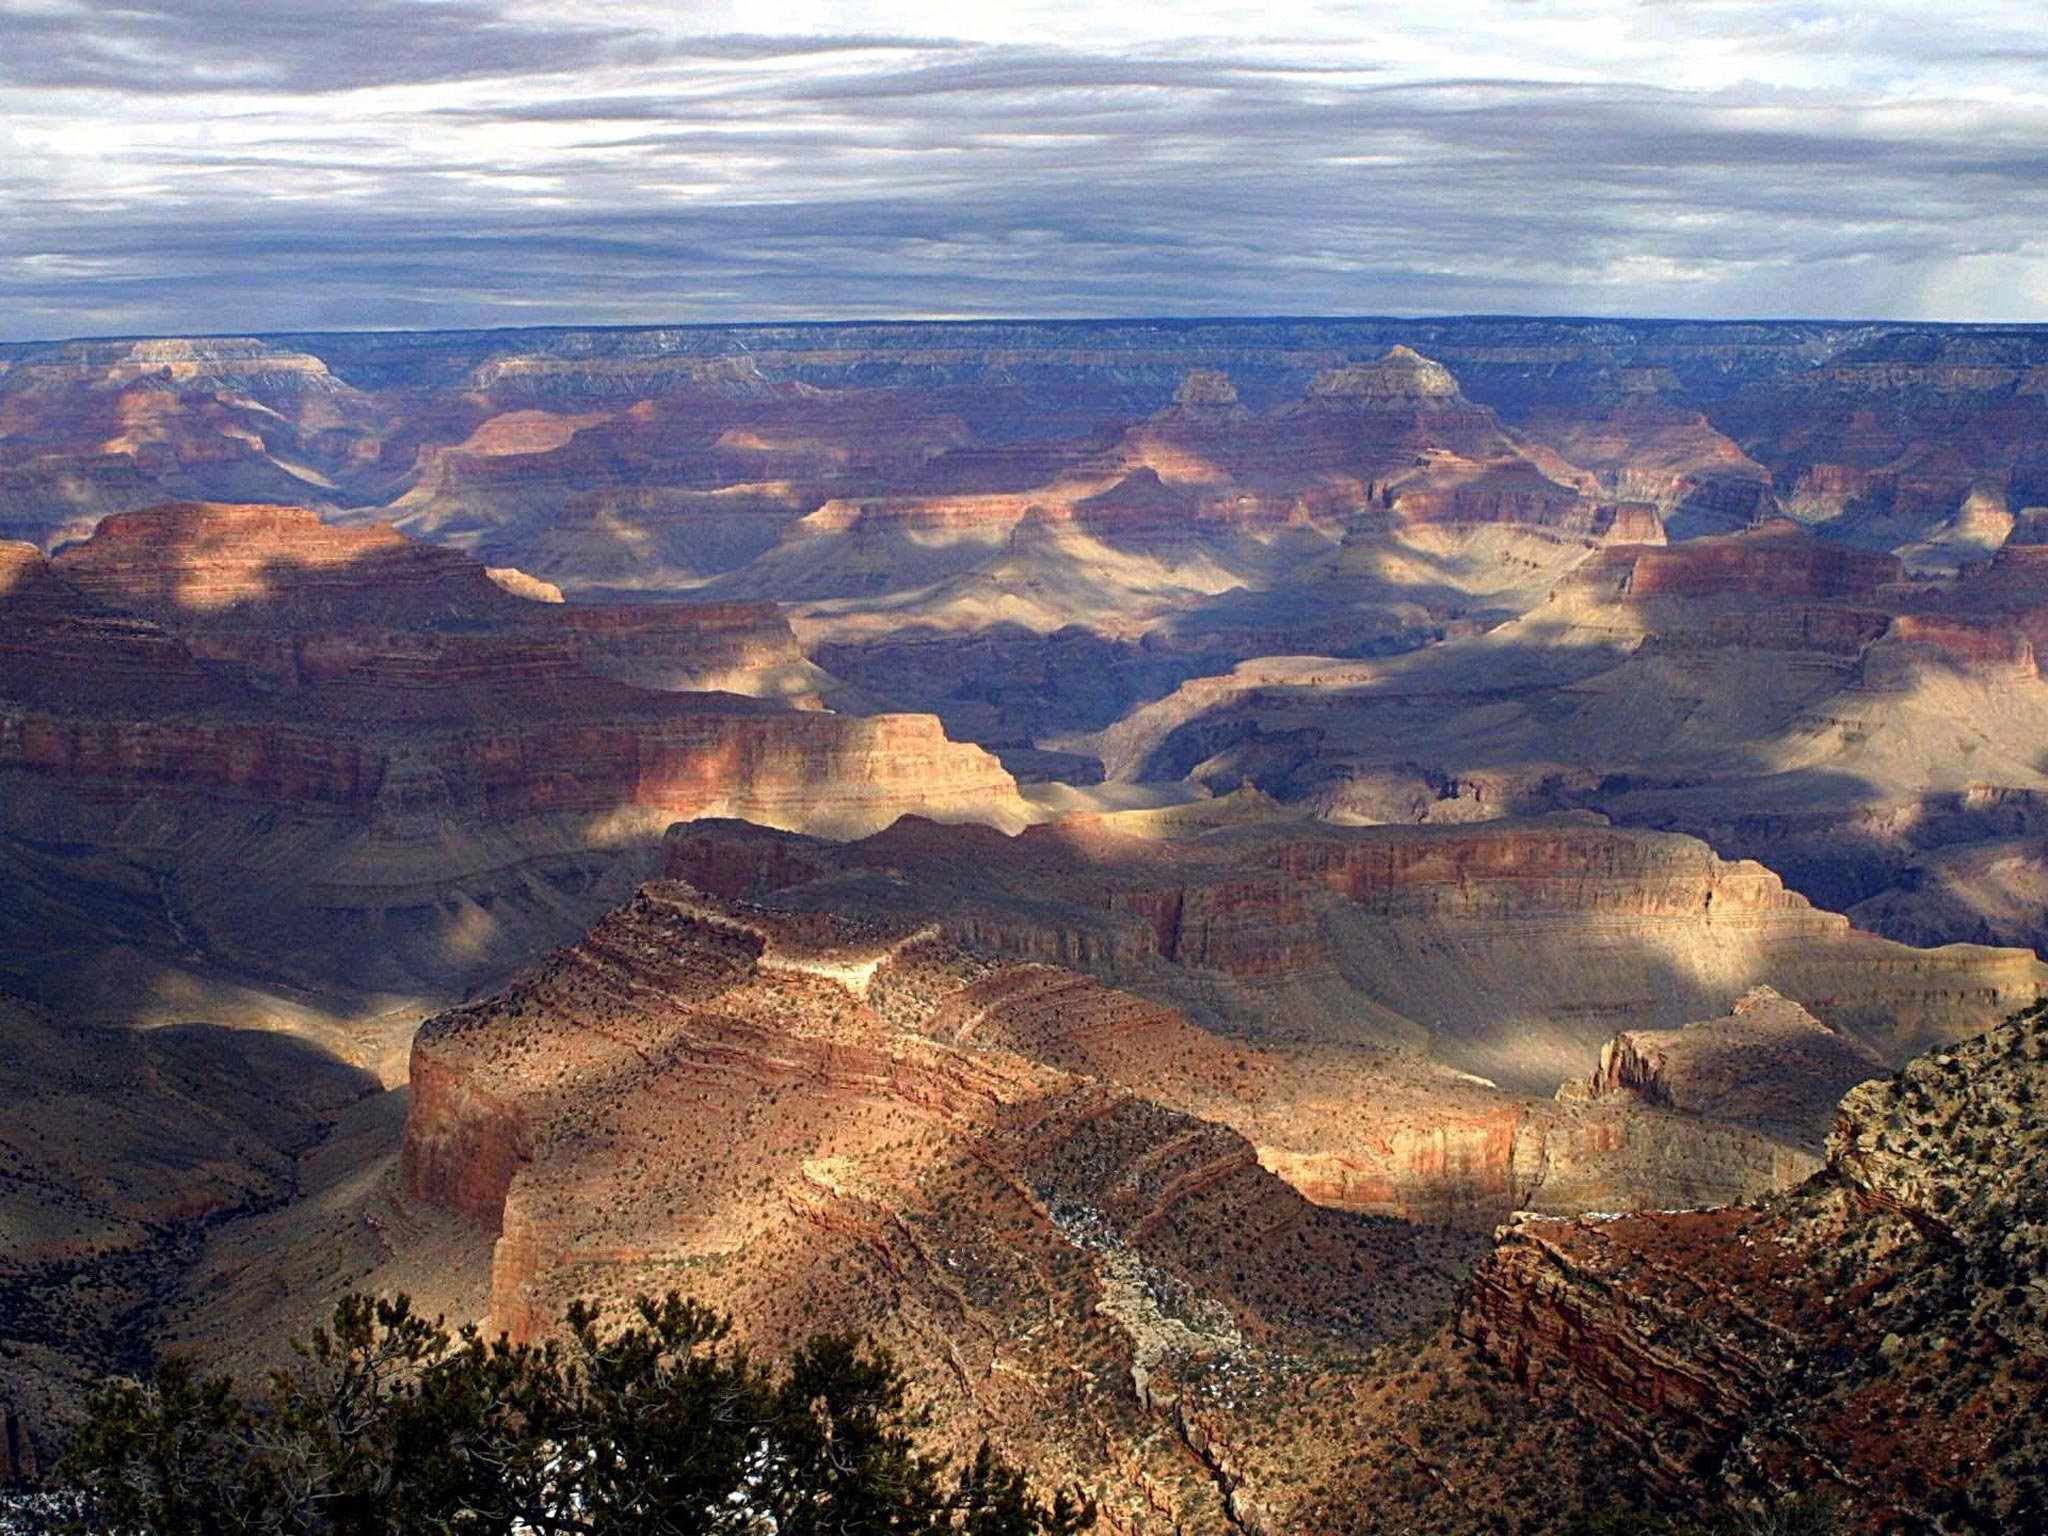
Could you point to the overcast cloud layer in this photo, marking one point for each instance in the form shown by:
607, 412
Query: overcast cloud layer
246, 165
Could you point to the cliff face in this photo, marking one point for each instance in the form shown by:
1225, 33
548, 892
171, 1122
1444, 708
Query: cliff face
1771, 563
1501, 871
1510, 949
200, 565
57, 649
386, 675
360, 760
1514, 950
826, 1122
847, 776
823, 1119
1873, 1332
294, 602
1769, 1064
1915, 645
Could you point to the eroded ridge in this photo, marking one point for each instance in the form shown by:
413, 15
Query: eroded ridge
815, 1120
1880, 1330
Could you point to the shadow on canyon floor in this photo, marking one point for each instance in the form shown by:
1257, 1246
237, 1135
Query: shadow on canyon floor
127, 1146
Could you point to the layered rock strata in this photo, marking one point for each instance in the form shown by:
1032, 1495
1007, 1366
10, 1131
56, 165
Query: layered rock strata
1865, 735
360, 759
1874, 1333
1769, 1064
817, 1121
779, 1103
1511, 949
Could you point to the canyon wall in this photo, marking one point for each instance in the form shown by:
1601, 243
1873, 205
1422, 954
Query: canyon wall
1871, 1332
1511, 949
341, 756
771, 1096
824, 1121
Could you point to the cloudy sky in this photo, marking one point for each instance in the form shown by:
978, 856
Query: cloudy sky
239, 165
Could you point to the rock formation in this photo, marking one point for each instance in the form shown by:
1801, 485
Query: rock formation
299, 730
1770, 1064
785, 1104
1454, 742
1876, 1332
813, 1119
1508, 949
1786, 699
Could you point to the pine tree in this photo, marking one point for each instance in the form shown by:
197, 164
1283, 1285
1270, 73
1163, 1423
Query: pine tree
388, 1425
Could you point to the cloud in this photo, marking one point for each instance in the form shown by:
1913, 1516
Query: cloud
162, 46
479, 164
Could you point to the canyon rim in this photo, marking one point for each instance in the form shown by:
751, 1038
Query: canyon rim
1290, 767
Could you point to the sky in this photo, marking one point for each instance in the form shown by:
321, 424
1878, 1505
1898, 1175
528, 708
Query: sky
204, 166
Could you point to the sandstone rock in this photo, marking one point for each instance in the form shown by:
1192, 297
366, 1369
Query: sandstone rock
1867, 1332
818, 1120
519, 584
1205, 387
1507, 949
358, 761
1774, 561
1401, 377
1769, 1064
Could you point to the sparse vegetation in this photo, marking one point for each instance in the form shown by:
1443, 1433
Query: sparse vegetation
390, 1426
1800, 1515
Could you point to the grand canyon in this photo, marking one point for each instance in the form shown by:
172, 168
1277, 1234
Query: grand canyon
1429, 925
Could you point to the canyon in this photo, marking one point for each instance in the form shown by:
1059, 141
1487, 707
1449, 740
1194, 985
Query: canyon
359, 765
1089, 1221
1292, 913
1880, 1327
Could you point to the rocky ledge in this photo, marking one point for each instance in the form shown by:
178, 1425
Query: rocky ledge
816, 1121
1881, 1331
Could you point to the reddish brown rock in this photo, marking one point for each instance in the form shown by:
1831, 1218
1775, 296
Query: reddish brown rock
369, 633
360, 761
1649, 449
293, 600
1513, 949
1985, 649
200, 565
817, 1121
1769, 1064
1777, 561
1796, 1339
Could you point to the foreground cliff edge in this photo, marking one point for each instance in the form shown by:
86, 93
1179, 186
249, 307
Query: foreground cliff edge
807, 1117
1881, 1331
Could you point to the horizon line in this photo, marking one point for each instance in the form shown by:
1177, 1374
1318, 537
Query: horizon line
965, 321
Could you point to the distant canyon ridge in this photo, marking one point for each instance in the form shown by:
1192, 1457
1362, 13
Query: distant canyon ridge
1166, 869
1771, 584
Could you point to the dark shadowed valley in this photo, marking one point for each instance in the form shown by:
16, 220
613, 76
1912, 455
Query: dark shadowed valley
1320, 926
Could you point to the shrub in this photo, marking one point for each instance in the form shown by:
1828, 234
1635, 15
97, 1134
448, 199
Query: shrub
389, 1426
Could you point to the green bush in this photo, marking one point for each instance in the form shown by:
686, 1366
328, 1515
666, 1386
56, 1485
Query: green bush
389, 1426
